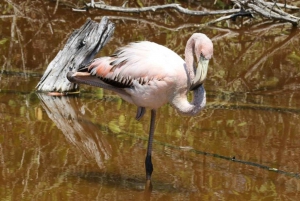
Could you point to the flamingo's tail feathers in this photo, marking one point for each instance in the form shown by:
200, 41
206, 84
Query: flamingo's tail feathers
86, 78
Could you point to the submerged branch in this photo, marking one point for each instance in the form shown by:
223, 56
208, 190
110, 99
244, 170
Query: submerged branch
275, 48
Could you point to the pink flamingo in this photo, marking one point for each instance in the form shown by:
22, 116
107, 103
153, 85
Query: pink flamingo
150, 75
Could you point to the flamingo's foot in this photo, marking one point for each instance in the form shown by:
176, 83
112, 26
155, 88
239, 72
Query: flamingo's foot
149, 167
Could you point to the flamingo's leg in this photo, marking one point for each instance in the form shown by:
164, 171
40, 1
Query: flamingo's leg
148, 161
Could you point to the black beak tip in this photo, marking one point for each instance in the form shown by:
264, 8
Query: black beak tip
194, 87
70, 76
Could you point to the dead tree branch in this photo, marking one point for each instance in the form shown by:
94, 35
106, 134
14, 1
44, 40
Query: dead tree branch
160, 7
247, 8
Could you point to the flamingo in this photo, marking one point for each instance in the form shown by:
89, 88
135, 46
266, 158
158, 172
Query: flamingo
150, 75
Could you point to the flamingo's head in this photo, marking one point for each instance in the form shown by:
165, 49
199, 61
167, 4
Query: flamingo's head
203, 52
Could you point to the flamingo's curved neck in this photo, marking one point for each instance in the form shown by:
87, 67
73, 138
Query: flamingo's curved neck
181, 102
184, 107
189, 58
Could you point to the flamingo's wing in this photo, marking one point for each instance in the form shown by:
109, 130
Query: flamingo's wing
140, 62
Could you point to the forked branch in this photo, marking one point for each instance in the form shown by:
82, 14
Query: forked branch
269, 10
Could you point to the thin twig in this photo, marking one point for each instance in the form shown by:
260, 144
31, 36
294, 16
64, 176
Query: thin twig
227, 17
155, 24
56, 6
7, 16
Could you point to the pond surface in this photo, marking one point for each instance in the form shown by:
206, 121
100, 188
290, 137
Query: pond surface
245, 145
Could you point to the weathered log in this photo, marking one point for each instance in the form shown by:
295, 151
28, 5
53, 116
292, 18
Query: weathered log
81, 47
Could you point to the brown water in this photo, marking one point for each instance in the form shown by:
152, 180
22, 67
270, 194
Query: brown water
244, 146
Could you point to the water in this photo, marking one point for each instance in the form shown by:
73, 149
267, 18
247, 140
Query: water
243, 146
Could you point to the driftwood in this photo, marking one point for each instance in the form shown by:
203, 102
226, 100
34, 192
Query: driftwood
81, 47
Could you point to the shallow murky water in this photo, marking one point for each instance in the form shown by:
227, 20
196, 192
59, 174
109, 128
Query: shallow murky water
244, 146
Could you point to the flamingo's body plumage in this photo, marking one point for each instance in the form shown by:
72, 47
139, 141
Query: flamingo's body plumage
138, 68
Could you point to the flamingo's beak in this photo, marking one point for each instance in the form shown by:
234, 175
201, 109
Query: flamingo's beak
201, 72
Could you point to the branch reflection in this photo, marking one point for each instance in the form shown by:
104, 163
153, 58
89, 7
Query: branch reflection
66, 113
